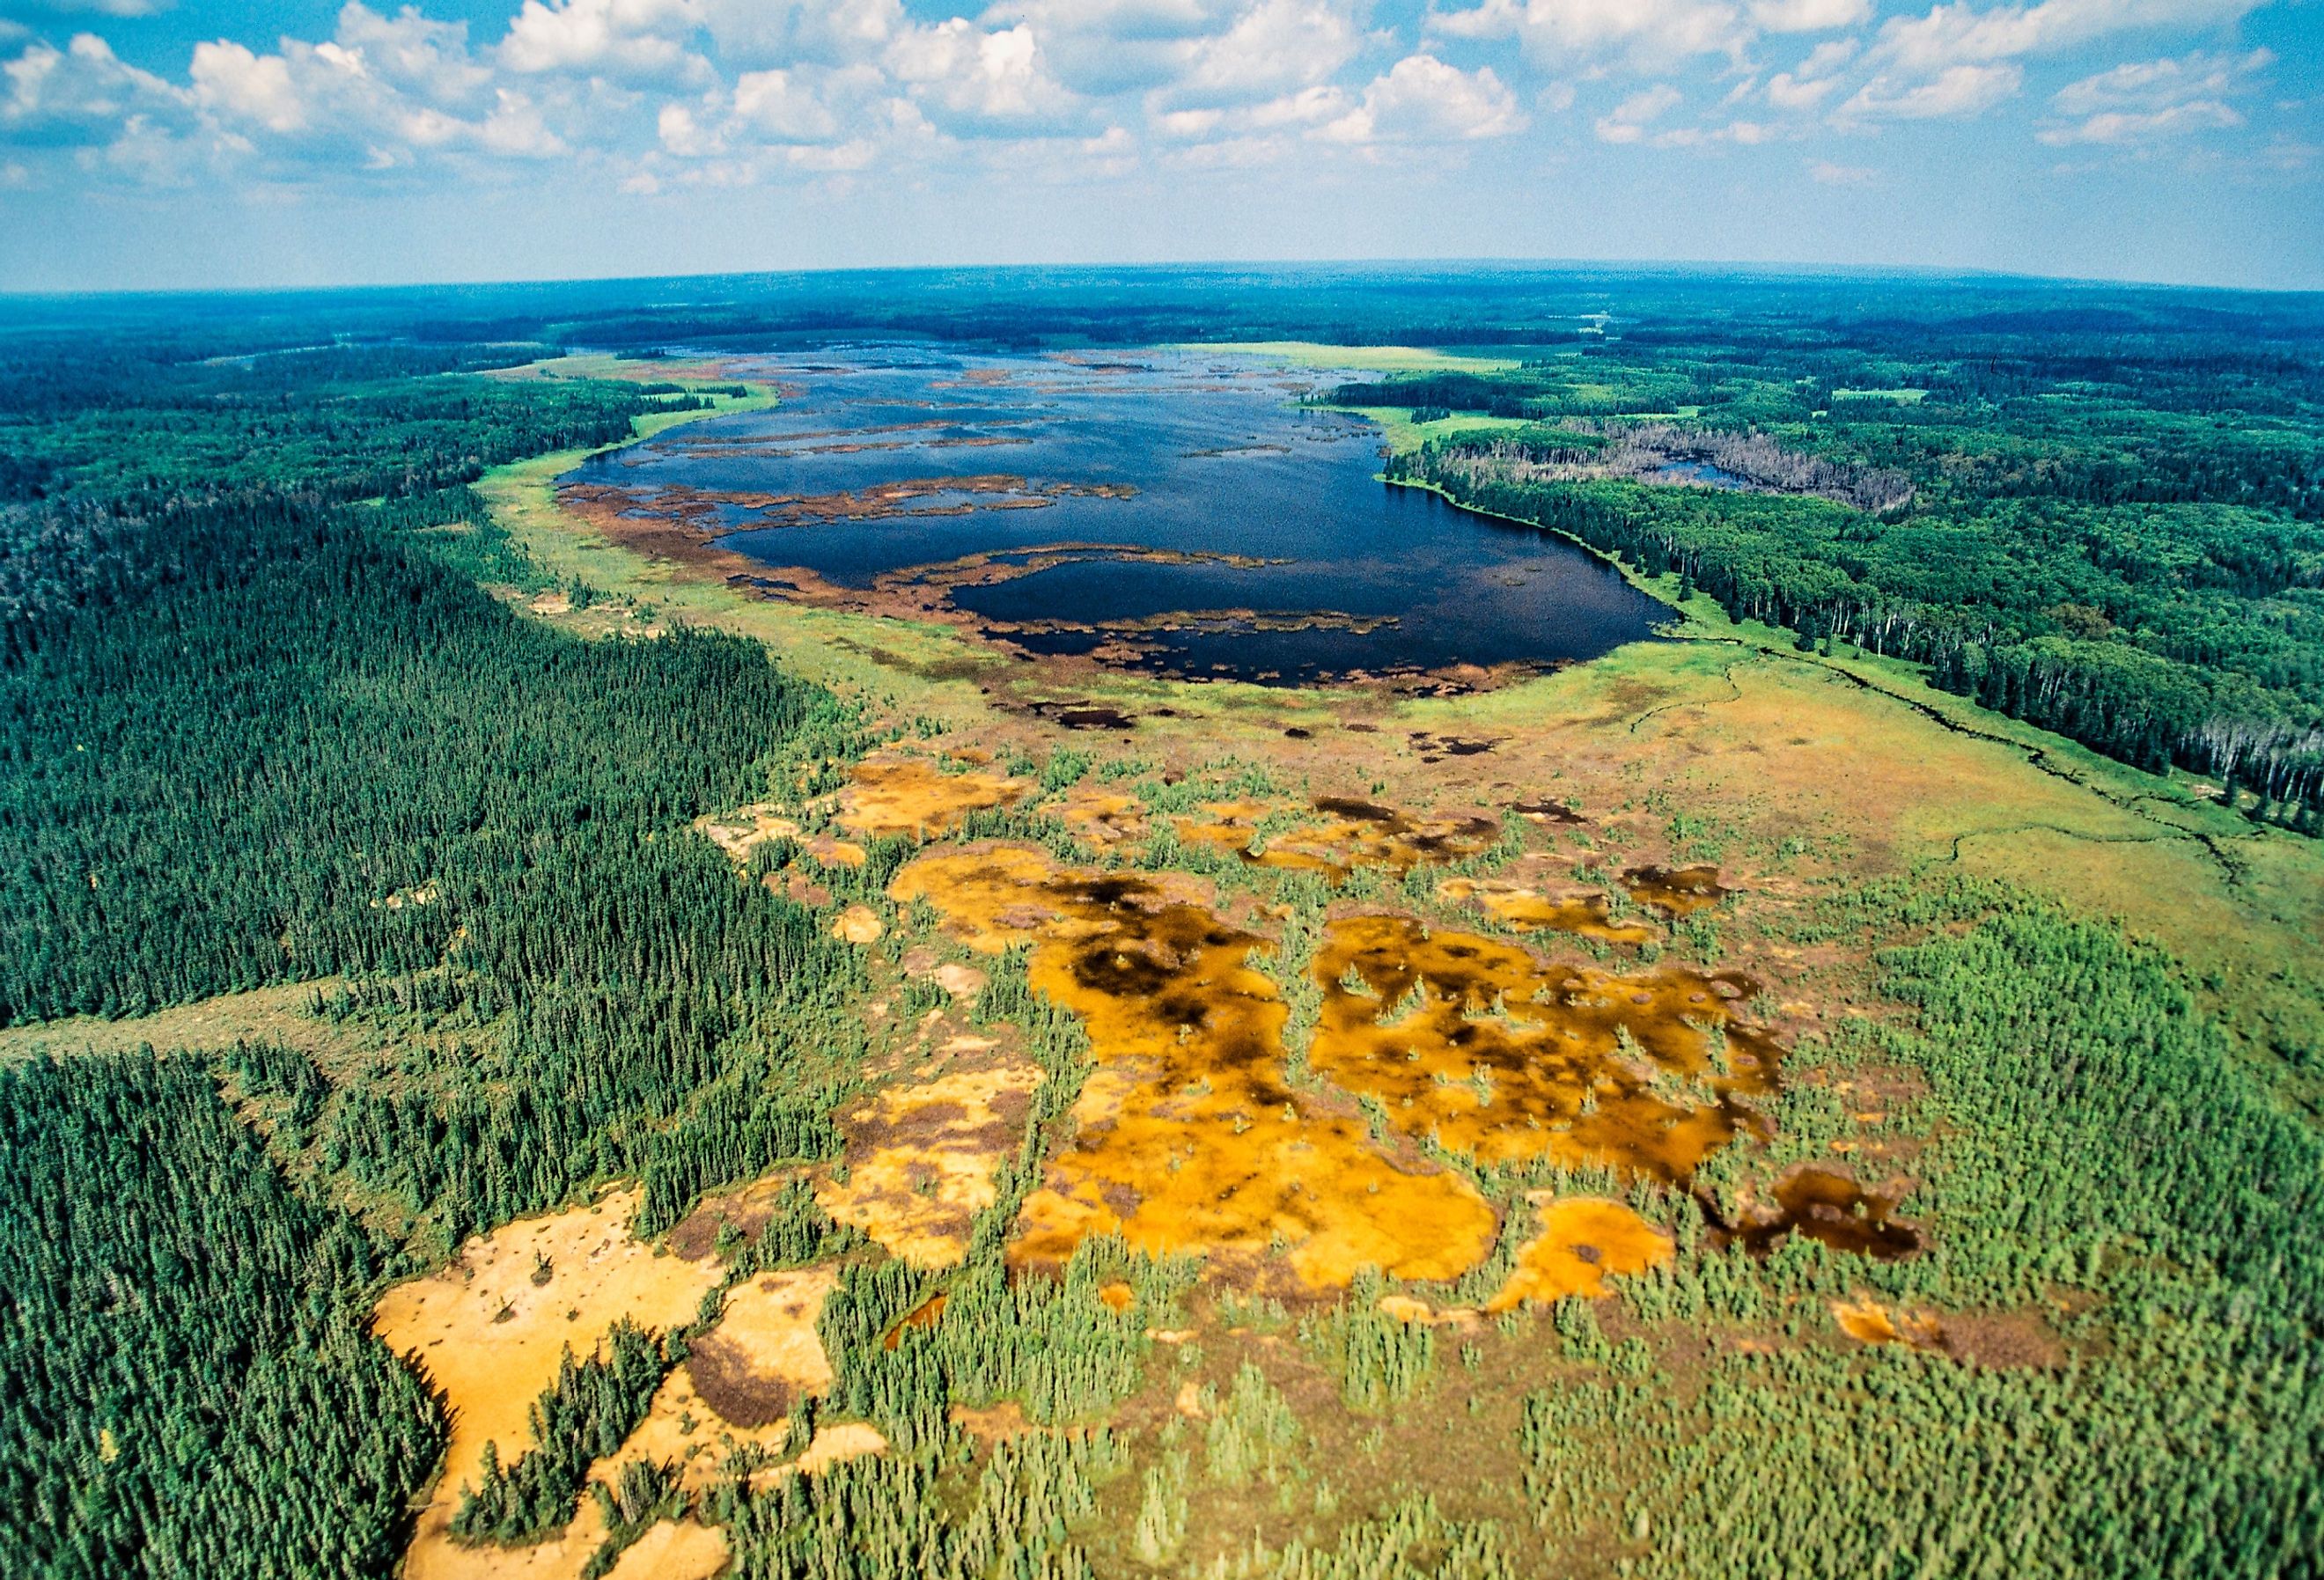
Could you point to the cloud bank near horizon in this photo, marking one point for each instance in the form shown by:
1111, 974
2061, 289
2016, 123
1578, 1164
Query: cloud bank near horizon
805, 132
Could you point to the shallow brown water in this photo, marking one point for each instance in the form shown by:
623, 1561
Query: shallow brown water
1676, 891
1828, 1205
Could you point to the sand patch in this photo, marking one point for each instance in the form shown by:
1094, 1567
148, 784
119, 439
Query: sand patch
489, 1337
1582, 1241
921, 1160
859, 924
673, 1551
1476, 1042
912, 796
1187, 1137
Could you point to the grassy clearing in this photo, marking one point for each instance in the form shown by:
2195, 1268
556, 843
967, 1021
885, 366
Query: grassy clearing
1359, 358
1405, 436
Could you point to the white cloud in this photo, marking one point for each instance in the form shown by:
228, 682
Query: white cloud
1813, 80
967, 75
1958, 33
1955, 92
408, 49
1824, 173
1808, 15
638, 40
1629, 120
515, 129
1104, 47
1273, 48
2149, 101
81, 89
2155, 83
1649, 35
1421, 99
229, 78
2123, 127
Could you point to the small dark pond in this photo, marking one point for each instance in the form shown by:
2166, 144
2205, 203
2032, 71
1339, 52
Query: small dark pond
1237, 534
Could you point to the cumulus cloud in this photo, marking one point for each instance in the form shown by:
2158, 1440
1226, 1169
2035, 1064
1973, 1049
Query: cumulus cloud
1276, 47
1958, 33
1808, 15
1650, 35
968, 75
664, 93
2150, 101
1629, 120
632, 39
1952, 93
81, 90
424, 57
1421, 99
241, 85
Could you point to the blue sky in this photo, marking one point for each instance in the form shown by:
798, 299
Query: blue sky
152, 143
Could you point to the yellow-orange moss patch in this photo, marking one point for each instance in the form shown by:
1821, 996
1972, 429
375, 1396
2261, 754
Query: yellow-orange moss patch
741, 1381
1478, 1043
911, 795
1588, 916
1865, 1319
921, 1159
489, 1337
1582, 1242
745, 830
841, 1440
1336, 834
1186, 1136
1676, 891
1102, 815
673, 1551
858, 924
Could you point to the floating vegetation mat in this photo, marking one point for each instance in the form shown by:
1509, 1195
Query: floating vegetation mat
1478, 1044
1186, 1136
915, 796
1528, 910
921, 1160
1334, 836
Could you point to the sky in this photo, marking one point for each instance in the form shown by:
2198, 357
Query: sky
195, 143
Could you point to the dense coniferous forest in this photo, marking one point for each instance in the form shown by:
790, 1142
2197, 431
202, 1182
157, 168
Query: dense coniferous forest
2123, 543
263, 729
257, 732
189, 1387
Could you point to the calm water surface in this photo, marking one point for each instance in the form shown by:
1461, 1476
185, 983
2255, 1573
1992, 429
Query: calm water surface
1215, 460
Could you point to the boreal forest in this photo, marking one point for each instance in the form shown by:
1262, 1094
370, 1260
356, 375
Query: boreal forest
538, 1036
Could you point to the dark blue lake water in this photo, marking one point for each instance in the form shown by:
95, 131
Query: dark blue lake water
1191, 454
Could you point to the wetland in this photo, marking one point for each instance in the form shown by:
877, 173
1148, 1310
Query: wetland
1174, 512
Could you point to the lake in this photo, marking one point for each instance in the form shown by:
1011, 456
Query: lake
1163, 510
